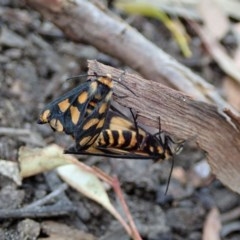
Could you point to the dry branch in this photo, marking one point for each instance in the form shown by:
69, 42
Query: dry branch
82, 21
184, 117
38, 212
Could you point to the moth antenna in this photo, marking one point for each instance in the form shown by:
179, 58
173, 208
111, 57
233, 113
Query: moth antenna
96, 75
121, 78
82, 75
169, 177
159, 124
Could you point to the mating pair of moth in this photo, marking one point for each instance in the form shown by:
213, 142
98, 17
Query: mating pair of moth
85, 114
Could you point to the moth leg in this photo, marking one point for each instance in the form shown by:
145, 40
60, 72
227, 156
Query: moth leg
136, 125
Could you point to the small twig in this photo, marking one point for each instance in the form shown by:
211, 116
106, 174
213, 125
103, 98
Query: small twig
53, 180
47, 198
38, 212
119, 193
14, 131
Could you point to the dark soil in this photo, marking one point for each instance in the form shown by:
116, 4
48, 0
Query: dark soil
35, 60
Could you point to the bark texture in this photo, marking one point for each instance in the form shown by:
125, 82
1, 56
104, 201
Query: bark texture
184, 117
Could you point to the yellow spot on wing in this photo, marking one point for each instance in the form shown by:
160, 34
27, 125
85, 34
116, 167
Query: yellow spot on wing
103, 108
101, 123
84, 140
92, 140
56, 124
82, 98
90, 123
75, 114
44, 116
64, 105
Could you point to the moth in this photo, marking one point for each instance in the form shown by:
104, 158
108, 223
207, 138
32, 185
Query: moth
81, 112
122, 138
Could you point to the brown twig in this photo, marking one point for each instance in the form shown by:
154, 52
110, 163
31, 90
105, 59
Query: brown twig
183, 117
117, 188
38, 212
48, 197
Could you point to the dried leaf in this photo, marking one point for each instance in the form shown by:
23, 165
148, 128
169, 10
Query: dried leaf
38, 160
84, 182
87, 184
76, 174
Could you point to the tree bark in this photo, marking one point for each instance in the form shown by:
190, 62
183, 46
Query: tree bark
184, 117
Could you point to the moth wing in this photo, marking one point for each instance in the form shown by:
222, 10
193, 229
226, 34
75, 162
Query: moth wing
65, 112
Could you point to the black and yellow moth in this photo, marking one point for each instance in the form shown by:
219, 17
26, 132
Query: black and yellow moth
81, 112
